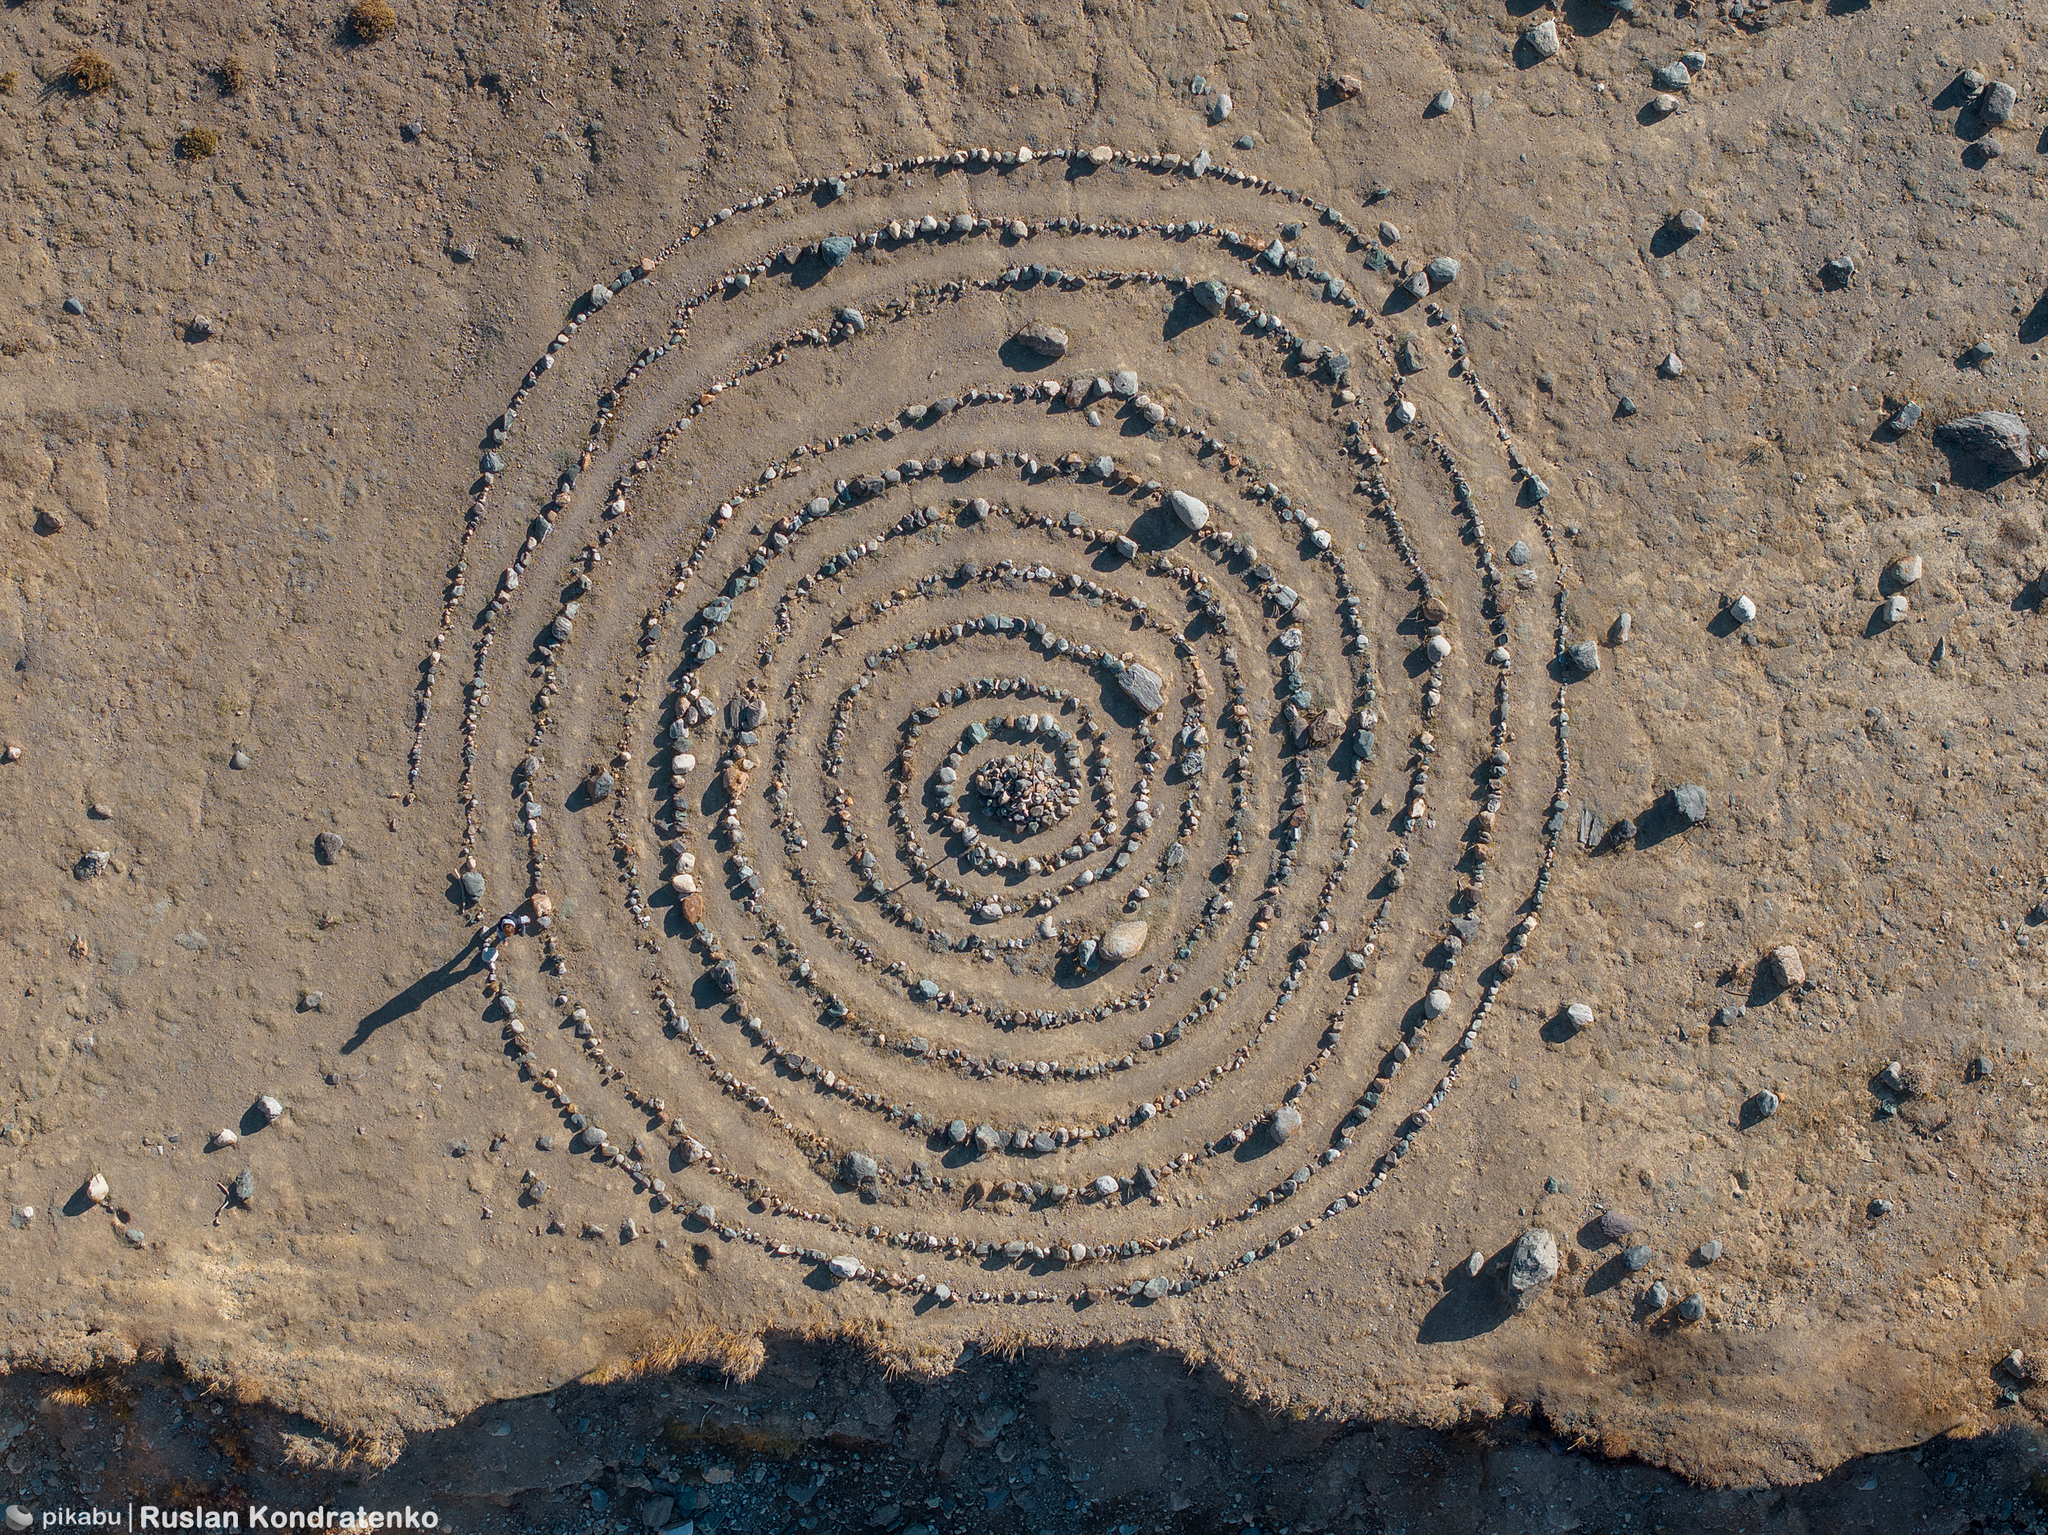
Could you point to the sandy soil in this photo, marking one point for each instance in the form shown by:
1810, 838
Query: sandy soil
275, 696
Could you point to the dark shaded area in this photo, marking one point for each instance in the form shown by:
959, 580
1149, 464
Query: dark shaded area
818, 1436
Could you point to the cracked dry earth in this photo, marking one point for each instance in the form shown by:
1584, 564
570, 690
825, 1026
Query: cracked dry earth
499, 707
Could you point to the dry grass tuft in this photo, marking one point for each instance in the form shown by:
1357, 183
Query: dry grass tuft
371, 21
233, 76
736, 1356
88, 73
198, 144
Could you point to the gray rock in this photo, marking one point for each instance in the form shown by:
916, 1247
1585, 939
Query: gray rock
859, 1167
238, 759
1787, 969
1710, 1251
1518, 553
1144, 687
1124, 384
1671, 77
1285, 1122
1998, 437
1692, 1308
1443, 101
74, 306
1896, 609
473, 884
1042, 339
1443, 271
1192, 511
1689, 222
1534, 1260
1475, 1265
1657, 1297
1638, 1258
836, 249
1765, 1103
1211, 294
1580, 1015
1904, 419
1542, 39
244, 1186
327, 847
1389, 234
1585, 656
1690, 801
1996, 104
1837, 271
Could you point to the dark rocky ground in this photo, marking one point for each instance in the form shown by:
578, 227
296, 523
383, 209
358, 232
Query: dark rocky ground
823, 1439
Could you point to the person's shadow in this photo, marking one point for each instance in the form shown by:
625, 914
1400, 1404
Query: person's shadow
427, 986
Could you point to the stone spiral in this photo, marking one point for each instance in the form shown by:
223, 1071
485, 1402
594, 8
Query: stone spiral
1028, 775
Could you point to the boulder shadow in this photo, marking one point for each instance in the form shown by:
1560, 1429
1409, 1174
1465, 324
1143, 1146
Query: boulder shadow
1471, 1306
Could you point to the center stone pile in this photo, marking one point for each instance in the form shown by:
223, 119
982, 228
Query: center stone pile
1022, 792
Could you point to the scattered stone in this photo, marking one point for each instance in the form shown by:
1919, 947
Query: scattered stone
1996, 103
846, 1266
1692, 1308
224, 1138
1442, 271
1672, 77
1710, 1251
1585, 655
1211, 294
1690, 801
1124, 940
1689, 222
1896, 609
273, 1109
836, 249
1742, 610
1765, 1103
244, 1186
238, 759
1343, 87
1443, 101
1389, 234
1542, 40
1904, 419
1879, 1208
327, 847
1998, 437
49, 520
202, 328
1579, 1015
858, 1167
1638, 1257
1787, 969
1534, 1260
1671, 366
1518, 554
1042, 339
1616, 1224
74, 305
1658, 1296
1475, 1264
1664, 103
1907, 569
473, 884
1285, 1121
96, 1188
1837, 272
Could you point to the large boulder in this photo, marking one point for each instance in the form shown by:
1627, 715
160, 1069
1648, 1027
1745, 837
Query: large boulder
1533, 1262
1043, 340
1998, 437
1125, 940
1191, 510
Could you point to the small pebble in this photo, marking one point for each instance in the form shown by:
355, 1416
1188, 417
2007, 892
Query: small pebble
238, 759
74, 306
1710, 1251
1443, 101
1742, 610
327, 847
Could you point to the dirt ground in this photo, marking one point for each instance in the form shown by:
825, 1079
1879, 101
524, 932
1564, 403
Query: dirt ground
634, 470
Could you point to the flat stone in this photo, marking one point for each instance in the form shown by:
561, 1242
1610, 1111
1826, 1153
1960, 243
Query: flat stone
1144, 687
1998, 437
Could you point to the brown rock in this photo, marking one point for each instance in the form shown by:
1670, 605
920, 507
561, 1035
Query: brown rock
693, 908
48, 521
1787, 968
1343, 87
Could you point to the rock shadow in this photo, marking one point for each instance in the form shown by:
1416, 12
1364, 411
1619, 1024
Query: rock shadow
1471, 1306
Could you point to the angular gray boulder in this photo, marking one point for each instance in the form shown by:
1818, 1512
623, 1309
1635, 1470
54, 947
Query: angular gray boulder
1998, 437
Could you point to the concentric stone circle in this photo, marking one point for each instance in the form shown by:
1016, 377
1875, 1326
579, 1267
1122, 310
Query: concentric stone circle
748, 717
